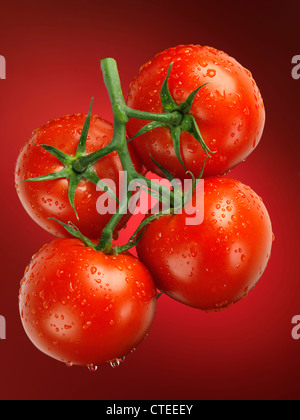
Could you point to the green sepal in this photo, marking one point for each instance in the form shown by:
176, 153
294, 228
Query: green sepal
137, 236
166, 173
156, 195
178, 194
64, 173
74, 231
188, 195
176, 134
167, 101
85, 130
61, 156
91, 176
73, 183
186, 106
203, 167
192, 127
149, 127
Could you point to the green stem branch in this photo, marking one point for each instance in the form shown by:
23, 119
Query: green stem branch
121, 115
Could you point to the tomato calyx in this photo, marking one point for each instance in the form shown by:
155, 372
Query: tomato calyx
183, 121
74, 231
80, 166
70, 171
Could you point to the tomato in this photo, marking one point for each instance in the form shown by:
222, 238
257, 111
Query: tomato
49, 199
229, 110
83, 307
214, 264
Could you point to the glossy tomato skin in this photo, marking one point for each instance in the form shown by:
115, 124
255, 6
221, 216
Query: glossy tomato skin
83, 307
229, 110
49, 199
214, 264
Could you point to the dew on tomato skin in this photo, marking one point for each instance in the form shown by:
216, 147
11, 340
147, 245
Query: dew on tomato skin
93, 270
92, 368
116, 362
192, 148
46, 304
67, 327
86, 325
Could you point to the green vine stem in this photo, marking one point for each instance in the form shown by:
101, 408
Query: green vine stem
121, 115
175, 117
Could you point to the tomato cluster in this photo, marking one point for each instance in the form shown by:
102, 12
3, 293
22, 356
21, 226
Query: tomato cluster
86, 305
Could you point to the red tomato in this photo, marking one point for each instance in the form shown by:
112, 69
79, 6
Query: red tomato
212, 265
229, 110
45, 199
83, 307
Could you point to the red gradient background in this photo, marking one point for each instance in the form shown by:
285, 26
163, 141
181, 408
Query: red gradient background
53, 50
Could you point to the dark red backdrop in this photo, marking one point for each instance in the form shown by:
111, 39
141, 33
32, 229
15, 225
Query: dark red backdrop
53, 51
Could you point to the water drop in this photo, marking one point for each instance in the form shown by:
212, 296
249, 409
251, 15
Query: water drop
211, 73
117, 362
92, 368
93, 270
86, 325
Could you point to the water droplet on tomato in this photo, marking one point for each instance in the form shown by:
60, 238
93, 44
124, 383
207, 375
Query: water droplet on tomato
92, 368
86, 325
211, 73
192, 148
93, 270
246, 110
117, 362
